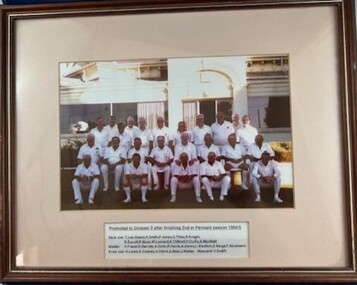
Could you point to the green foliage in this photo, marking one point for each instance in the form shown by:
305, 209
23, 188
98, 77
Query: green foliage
283, 151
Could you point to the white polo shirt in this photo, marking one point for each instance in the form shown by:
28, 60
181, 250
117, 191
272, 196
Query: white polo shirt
266, 170
234, 128
164, 131
177, 137
101, 137
221, 132
180, 170
130, 131
210, 170
257, 152
96, 152
236, 152
113, 131
198, 134
91, 171
142, 151
131, 169
190, 149
161, 155
203, 151
144, 135
125, 140
115, 155
246, 135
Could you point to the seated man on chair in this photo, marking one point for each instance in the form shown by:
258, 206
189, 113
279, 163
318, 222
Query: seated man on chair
185, 176
114, 160
234, 155
204, 150
136, 178
86, 178
161, 158
213, 175
266, 174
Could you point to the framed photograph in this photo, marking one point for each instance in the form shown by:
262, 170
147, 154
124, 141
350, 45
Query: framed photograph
178, 141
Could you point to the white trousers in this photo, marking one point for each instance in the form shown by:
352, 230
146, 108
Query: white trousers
194, 183
166, 170
117, 175
78, 186
258, 183
224, 184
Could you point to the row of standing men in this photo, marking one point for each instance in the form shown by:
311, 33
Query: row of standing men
191, 163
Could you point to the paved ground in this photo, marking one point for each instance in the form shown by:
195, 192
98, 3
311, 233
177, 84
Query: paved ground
185, 199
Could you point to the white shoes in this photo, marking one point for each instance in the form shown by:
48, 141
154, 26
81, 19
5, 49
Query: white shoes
90, 201
258, 199
221, 198
211, 198
277, 200
198, 199
105, 189
144, 200
117, 189
173, 199
127, 200
79, 202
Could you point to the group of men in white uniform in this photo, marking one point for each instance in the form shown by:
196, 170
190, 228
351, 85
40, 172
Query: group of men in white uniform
203, 158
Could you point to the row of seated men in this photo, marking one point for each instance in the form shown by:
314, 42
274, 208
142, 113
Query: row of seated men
189, 166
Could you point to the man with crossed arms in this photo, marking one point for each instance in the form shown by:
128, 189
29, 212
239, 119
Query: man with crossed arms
213, 175
185, 176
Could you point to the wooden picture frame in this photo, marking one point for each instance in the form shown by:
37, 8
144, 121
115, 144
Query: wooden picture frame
37, 238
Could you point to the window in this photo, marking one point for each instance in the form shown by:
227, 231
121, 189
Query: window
208, 108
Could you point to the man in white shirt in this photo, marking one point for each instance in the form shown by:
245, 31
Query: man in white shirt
235, 123
266, 174
112, 128
144, 154
246, 133
234, 156
161, 159
256, 149
160, 130
143, 133
86, 178
208, 147
136, 174
213, 175
199, 131
92, 148
187, 147
114, 160
125, 138
101, 134
130, 128
185, 176
181, 128
220, 131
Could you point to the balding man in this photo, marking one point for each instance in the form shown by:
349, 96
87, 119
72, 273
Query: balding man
246, 133
161, 158
85, 178
199, 131
185, 146
160, 130
185, 176
90, 147
213, 175
144, 133
130, 127
208, 147
220, 131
